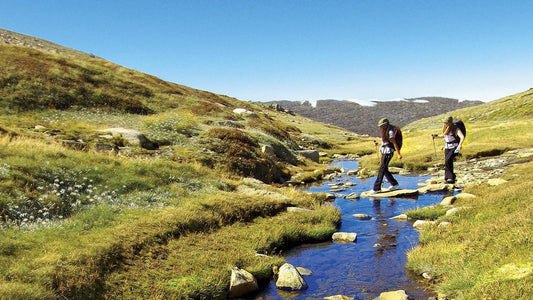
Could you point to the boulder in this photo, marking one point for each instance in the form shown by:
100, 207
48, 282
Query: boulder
394, 295
344, 237
496, 181
448, 201
362, 216
242, 283
400, 217
304, 271
420, 224
455, 210
445, 224
330, 197
102, 147
289, 279
465, 196
352, 196
243, 112
309, 154
132, 136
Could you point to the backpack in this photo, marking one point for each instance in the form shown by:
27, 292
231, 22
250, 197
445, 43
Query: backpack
458, 124
398, 137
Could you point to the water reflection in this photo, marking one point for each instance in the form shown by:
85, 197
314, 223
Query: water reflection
376, 261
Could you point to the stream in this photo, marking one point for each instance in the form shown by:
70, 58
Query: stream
362, 269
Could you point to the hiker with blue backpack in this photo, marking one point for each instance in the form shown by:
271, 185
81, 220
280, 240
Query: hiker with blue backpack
453, 133
391, 141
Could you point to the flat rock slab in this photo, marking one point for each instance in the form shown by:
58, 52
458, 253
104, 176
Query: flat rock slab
436, 188
391, 194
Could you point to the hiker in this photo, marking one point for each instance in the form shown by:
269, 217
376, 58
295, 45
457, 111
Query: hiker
453, 133
390, 142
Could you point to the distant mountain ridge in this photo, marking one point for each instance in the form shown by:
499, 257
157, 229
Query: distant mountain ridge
363, 119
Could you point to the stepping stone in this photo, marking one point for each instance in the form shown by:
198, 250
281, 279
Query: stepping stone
391, 194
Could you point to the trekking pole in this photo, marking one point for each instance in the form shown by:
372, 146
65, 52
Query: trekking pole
435, 150
376, 145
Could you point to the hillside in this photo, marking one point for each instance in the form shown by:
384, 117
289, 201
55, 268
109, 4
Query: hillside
72, 97
104, 170
363, 119
485, 253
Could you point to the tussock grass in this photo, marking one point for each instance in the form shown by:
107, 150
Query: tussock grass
58, 244
427, 213
199, 265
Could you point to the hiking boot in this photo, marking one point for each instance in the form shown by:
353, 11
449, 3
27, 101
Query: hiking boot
450, 181
372, 192
393, 188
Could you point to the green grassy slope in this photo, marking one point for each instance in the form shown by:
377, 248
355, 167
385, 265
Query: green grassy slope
486, 252
76, 221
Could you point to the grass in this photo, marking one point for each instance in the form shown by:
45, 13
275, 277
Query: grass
198, 266
146, 206
81, 223
73, 221
487, 252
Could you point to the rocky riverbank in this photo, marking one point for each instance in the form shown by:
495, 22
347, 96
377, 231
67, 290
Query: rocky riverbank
485, 170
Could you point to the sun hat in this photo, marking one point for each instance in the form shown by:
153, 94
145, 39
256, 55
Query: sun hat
382, 122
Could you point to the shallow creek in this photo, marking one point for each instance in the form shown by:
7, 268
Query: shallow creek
373, 264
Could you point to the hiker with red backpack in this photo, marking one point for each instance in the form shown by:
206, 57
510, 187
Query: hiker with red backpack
453, 132
391, 141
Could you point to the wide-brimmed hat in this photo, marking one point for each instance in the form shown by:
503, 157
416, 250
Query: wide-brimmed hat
383, 121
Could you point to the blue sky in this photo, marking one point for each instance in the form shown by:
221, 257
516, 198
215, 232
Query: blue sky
301, 49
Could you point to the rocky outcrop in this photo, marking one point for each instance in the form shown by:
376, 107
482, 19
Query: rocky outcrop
132, 136
486, 170
313, 155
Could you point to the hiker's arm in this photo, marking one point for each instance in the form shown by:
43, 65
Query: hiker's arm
461, 139
436, 136
393, 141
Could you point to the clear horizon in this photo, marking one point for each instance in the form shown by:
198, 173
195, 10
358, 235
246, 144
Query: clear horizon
301, 50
